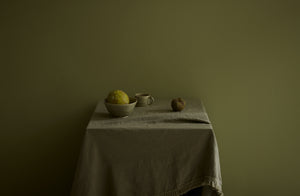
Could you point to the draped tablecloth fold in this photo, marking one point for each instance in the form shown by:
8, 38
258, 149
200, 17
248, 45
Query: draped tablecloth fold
153, 152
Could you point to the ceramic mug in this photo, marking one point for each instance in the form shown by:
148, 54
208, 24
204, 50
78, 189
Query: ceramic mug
143, 99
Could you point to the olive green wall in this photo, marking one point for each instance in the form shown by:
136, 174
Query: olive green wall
59, 58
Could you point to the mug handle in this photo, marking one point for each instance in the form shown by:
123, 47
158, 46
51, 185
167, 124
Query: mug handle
150, 100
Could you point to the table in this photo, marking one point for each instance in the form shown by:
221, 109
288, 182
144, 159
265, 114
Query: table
153, 152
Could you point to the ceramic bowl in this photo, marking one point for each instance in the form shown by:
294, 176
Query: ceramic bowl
120, 110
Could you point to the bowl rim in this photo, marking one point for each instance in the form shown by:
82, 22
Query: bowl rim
132, 100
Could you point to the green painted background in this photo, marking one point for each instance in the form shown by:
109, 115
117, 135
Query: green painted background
58, 58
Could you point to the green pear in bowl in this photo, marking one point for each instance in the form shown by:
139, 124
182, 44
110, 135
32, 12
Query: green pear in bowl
118, 104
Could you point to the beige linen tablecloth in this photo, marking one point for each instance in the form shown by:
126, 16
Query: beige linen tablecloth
153, 152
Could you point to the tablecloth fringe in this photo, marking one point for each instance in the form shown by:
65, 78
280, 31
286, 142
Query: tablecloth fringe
214, 183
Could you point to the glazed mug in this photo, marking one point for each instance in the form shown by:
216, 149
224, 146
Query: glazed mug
143, 99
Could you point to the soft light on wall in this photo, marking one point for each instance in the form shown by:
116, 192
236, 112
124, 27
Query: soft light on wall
59, 58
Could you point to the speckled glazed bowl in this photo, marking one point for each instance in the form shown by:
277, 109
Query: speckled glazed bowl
120, 110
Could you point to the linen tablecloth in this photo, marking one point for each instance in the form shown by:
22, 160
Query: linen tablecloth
153, 152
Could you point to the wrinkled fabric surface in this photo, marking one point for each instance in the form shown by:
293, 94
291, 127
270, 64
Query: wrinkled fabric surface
153, 152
